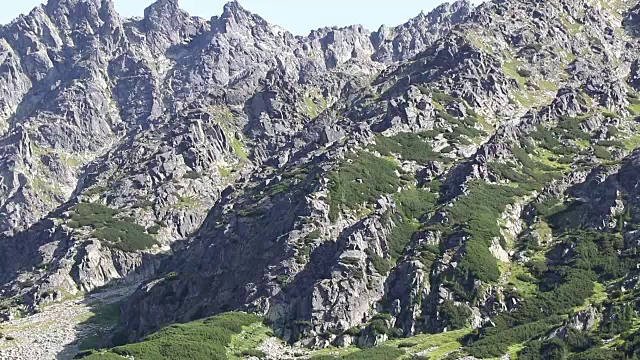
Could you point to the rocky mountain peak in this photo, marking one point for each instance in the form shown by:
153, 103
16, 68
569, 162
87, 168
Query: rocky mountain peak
458, 9
162, 9
97, 8
166, 24
234, 14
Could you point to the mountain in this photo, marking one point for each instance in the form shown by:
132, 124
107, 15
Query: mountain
461, 186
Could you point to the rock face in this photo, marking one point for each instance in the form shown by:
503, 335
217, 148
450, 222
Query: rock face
156, 117
349, 185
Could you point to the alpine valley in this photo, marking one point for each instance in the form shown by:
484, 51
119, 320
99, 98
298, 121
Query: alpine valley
463, 186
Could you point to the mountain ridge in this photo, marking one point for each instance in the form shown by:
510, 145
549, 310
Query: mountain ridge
472, 169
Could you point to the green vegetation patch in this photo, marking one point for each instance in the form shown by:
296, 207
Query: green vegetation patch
477, 214
187, 202
511, 69
376, 353
567, 129
121, 233
103, 318
314, 104
454, 316
412, 205
238, 148
199, 340
382, 265
361, 179
401, 236
567, 284
408, 146
246, 343
289, 179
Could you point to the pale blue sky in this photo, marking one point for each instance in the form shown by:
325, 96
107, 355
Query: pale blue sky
297, 16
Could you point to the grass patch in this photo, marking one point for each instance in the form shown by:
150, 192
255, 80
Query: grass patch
512, 69
238, 149
377, 353
199, 340
439, 345
96, 190
601, 152
248, 340
224, 172
313, 109
103, 317
522, 280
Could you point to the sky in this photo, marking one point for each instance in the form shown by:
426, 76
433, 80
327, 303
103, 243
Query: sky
297, 16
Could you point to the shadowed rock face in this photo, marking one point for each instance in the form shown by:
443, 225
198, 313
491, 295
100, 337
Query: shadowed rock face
316, 180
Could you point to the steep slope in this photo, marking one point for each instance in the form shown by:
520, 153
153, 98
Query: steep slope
472, 170
510, 112
120, 134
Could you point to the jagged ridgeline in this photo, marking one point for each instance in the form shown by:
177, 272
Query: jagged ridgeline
464, 185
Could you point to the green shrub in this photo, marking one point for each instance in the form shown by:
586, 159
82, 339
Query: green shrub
255, 353
383, 316
454, 317
601, 152
478, 262
94, 215
566, 283
409, 146
619, 319
507, 172
465, 127
377, 353
497, 345
415, 203
407, 344
315, 234
400, 237
120, 233
379, 326
611, 143
383, 352
379, 263
524, 73
599, 354
358, 273
354, 331
477, 215
572, 128
363, 180
579, 341
153, 230
283, 280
